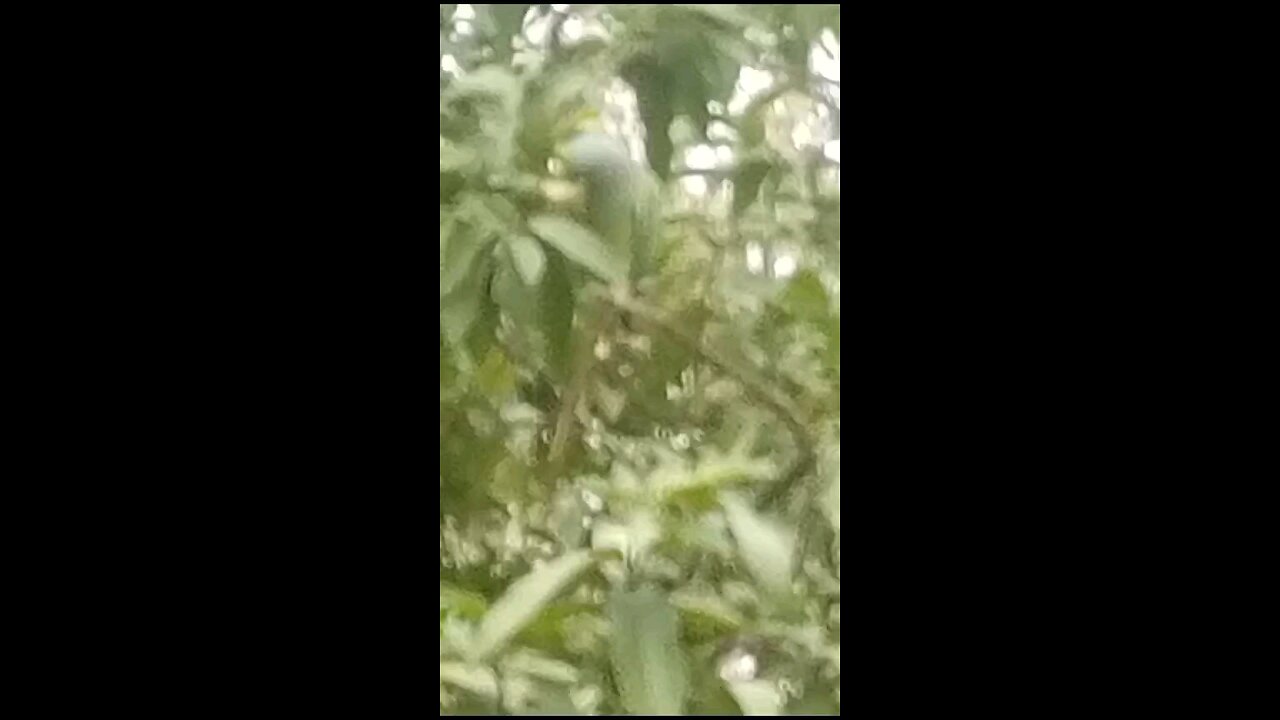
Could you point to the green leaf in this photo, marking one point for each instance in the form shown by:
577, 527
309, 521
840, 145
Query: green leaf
831, 503
459, 310
555, 300
473, 678
483, 330
524, 600
463, 603
818, 699
806, 298
510, 481
692, 90
520, 304
766, 548
712, 472
612, 402
706, 613
548, 631
529, 258
496, 378
454, 158
747, 179
757, 697
492, 82
831, 498
729, 15
554, 105
657, 92
483, 106
811, 19
527, 662
648, 666
579, 245
459, 248
709, 536
632, 539
507, 22
751, 126
566, 519
552, 702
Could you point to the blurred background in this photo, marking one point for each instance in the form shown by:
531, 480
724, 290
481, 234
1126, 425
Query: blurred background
640, 359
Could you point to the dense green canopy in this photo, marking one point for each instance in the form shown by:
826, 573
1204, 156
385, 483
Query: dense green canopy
639, 359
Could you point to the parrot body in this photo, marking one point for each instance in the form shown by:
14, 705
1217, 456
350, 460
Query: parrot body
620, 195
621, 206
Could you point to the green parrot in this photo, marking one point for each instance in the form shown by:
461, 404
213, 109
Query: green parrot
621, 205
621, 198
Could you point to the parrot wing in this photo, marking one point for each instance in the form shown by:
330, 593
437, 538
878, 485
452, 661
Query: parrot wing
645, 228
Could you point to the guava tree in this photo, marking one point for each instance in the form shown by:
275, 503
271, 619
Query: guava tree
639, 359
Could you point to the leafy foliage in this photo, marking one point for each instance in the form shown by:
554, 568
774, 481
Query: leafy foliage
639, 478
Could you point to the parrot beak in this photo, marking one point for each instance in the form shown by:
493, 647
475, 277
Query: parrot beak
561, 192
560, 159
562, 187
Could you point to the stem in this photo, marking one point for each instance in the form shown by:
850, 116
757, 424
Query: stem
756, 385
592, 327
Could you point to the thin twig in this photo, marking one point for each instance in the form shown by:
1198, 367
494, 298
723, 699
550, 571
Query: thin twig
594, 324
757, 386
720, 172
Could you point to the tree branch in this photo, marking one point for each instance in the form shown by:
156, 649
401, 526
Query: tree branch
721, 172
756, 385
593, 325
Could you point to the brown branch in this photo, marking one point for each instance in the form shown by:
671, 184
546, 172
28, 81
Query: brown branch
756, 386
723, 173
594, 324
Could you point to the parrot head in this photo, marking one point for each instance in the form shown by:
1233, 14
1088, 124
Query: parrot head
596, 157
